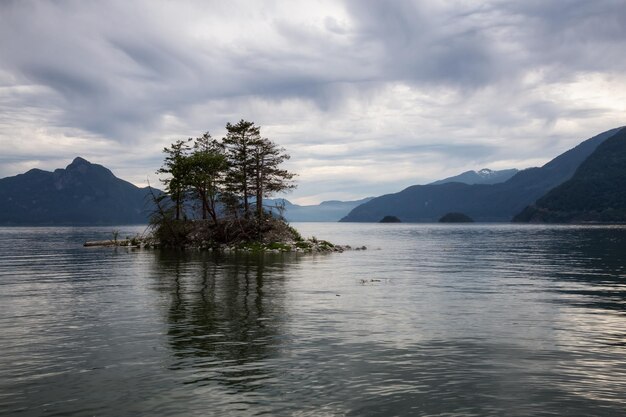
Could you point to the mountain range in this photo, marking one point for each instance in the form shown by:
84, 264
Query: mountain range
482, 202
326, 211
81, 194
586, 183
89, 194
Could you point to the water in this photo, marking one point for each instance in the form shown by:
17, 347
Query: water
431, 320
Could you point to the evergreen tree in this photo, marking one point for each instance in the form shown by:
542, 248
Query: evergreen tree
269, 178
240, 141
229, 174
206, 166
175, 166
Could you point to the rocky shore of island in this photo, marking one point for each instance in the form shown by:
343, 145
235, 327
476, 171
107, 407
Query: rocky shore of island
303, 246
276, 237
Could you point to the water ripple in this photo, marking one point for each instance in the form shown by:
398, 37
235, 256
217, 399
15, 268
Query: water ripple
470, 320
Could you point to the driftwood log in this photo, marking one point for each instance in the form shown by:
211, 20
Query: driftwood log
123, 242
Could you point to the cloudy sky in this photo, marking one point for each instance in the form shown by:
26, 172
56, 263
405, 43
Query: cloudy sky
367, 96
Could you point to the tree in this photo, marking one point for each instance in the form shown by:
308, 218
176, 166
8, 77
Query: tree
269, 178
175, 165
239, 143
206, 166
227, 175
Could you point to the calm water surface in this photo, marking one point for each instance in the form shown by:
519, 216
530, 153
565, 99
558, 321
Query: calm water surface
430, 320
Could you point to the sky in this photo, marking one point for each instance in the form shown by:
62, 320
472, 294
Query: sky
367, 96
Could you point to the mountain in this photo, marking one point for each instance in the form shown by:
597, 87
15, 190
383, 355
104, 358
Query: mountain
326, 211
334, 210
483, 203
596, 192
81, 194
484, 176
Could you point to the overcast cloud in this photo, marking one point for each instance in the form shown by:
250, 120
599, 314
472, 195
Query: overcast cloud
367, 96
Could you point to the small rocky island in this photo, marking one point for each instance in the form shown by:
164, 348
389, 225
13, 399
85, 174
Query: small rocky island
214, 197
390, 219
455, 218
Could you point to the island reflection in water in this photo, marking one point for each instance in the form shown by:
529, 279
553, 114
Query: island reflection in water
463, 320
220, 319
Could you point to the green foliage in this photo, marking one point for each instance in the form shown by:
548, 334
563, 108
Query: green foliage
254, 166
304, 245
296, 235
176, 183
205, 167
279, 246
243, 165
173, 233
325, 245
251, 246
239, 144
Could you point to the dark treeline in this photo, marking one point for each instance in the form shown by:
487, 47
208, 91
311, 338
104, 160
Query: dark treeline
216, 188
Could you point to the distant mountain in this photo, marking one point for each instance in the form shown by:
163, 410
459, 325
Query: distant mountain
484, 176
81, 194
483, 203
596, 192
326, 211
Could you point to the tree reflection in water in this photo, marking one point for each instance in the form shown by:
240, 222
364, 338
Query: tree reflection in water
225, 314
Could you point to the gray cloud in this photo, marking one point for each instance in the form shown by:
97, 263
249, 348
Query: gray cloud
419, 44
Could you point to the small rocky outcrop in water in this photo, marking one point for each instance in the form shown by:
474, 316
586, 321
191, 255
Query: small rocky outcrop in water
455, 218
390, 219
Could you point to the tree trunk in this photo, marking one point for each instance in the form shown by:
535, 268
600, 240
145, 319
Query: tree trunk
177, 205
259, 196
246, 204
211, 208
205, 206
259, 193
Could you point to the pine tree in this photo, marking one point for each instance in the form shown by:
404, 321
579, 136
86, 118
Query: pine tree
174, 165
240, 141
229, 174
269, 178
206, 166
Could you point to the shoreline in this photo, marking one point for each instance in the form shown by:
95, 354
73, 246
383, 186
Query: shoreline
311, 245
